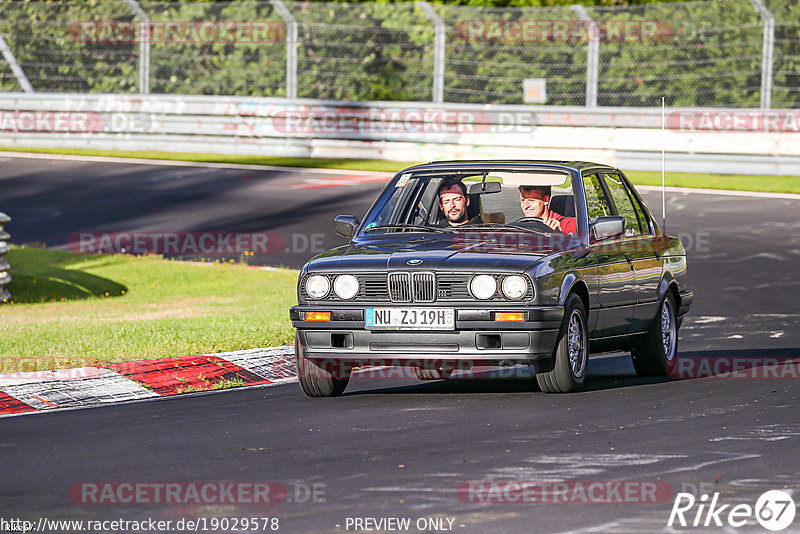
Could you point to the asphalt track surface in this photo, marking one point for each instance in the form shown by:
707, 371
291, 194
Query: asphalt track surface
396, 447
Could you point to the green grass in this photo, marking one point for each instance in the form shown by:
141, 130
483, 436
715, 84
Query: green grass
776, 184
773, 184
70, 310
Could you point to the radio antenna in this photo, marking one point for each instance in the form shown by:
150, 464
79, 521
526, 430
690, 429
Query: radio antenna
663, 172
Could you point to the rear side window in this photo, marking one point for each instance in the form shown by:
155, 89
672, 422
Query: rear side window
623, 202
596, 203
644, 222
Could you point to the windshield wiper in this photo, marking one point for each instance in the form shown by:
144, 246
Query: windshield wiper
504, 225
409, 227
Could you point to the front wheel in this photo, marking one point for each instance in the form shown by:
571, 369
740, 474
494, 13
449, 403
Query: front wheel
572, 352
317, 379
656, 354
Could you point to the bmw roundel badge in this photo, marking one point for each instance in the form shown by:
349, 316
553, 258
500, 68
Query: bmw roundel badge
413, 262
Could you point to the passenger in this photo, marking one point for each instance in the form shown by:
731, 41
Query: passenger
453, 201
533, 200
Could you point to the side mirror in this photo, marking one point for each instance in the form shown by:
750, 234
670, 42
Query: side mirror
608, 226
484, 188
345, 225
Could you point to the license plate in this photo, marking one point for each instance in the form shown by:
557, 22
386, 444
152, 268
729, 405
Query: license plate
410, 318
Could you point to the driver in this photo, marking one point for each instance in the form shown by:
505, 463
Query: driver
453, 201
533, 200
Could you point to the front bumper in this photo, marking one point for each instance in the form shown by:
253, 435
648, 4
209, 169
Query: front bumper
477, 339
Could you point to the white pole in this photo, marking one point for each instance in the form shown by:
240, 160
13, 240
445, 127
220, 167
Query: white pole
767, 51
439, 37
663, 164
291, 46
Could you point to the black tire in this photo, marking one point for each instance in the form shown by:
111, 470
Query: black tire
433, 373
571, 353
656, 353
315, 379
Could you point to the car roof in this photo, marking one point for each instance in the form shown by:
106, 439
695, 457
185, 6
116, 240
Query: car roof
564, 165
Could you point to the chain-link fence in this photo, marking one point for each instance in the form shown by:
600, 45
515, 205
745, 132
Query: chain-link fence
732, 53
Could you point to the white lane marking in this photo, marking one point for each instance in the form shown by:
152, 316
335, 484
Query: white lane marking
575, 465
730, 457
707, 319
275, 364
104, 387
775, 432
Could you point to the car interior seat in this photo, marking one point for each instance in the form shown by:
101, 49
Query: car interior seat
474, 207
563, 205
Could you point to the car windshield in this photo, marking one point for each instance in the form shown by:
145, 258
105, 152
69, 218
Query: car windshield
498, 200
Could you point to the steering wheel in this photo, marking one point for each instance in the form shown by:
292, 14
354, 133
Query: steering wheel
537, 221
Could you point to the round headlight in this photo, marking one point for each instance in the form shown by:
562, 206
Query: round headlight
317, 286
514, 286
345, 286
483, 286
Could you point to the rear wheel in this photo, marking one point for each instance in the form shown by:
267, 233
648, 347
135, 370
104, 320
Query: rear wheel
655, 355
571, 354
433, 373
317, 379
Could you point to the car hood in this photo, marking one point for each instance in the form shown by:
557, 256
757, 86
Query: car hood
462, 251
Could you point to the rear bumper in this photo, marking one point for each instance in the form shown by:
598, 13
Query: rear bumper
476, 340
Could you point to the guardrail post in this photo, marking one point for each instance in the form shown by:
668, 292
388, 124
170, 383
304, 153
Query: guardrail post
144, 46
5, 278
439, 37
767, 51
291, 47
15, 68
592, 54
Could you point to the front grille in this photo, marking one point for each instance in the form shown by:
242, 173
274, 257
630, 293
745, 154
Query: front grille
399, 287
427, 287
424, 287
453, 286
373, 287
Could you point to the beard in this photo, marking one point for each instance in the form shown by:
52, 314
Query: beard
459, 217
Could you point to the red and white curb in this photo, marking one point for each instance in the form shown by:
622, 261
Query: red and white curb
142, 379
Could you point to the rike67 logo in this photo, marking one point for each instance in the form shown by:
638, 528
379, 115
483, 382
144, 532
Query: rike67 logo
774, 510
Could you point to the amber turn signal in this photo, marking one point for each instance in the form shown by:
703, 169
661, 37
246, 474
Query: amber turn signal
509, 316
318, 316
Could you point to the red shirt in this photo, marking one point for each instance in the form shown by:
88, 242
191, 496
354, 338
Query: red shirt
568, 224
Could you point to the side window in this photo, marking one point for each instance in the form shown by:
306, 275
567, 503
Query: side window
428, 206
643, 220
596, 202
622, 201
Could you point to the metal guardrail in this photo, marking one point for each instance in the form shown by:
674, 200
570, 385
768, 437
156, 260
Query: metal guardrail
404, 131
5, 278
